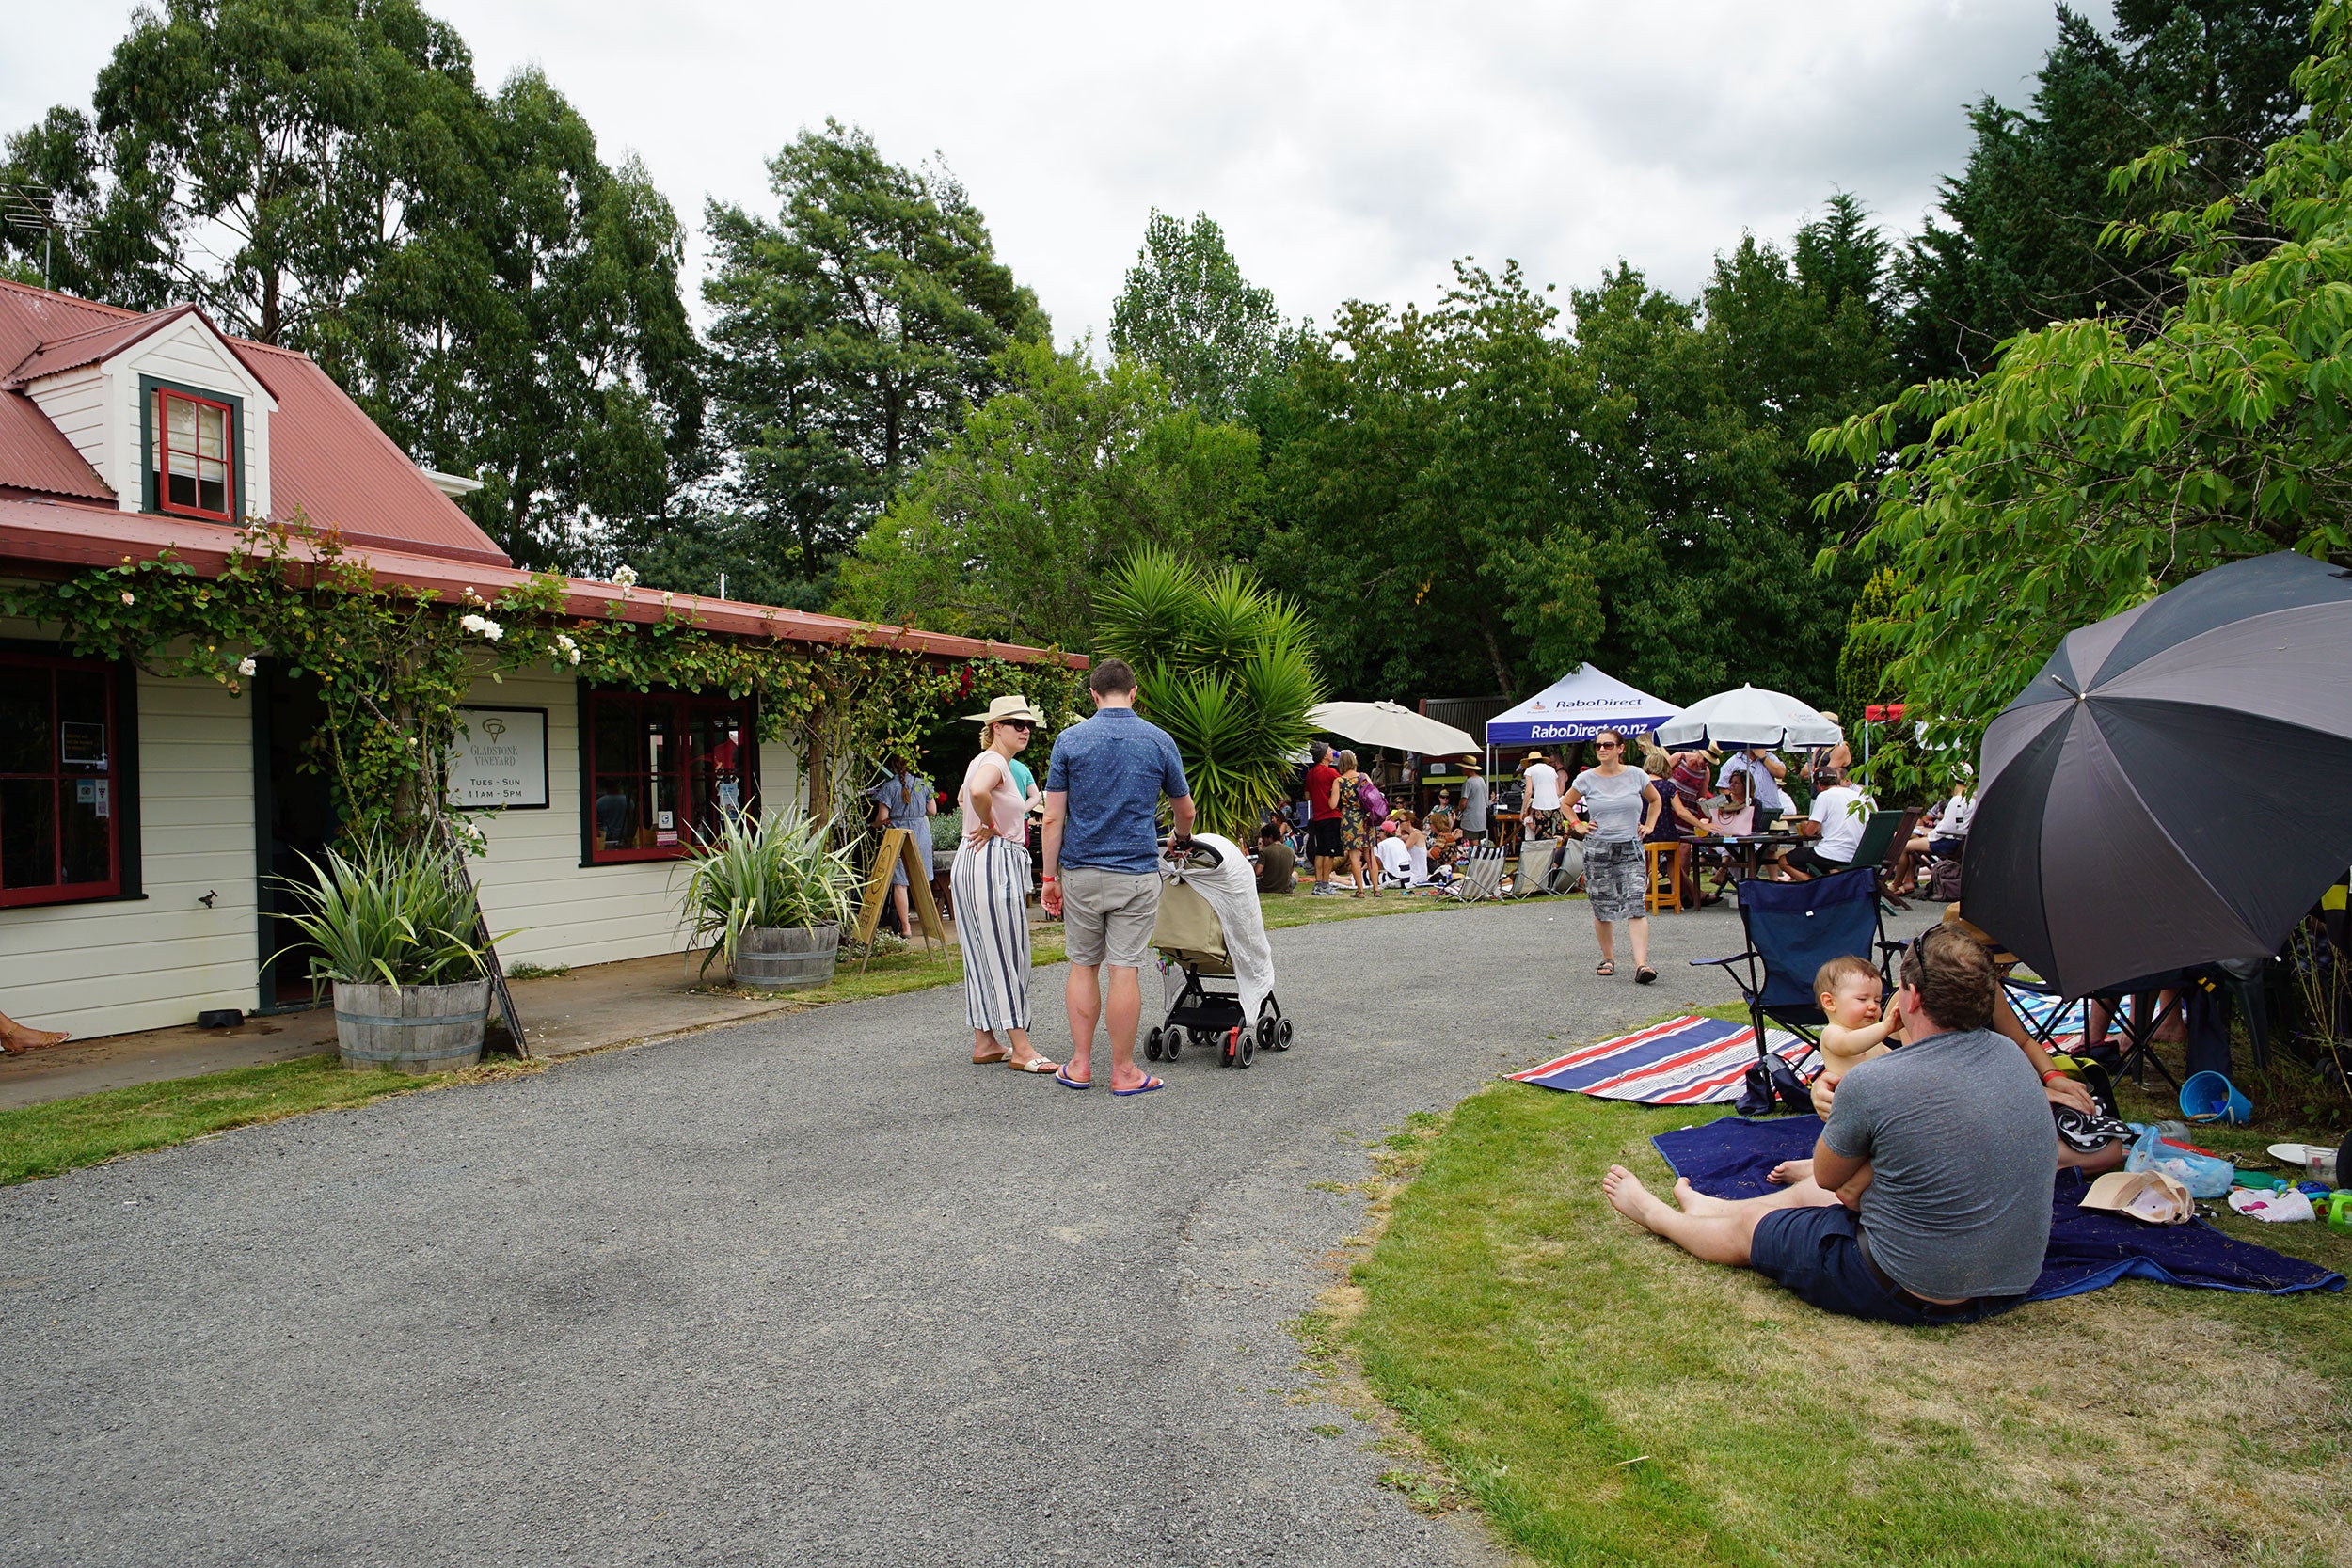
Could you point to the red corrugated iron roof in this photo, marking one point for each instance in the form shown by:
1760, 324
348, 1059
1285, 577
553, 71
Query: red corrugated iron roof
328, 458
104, 342
62, 535
35, 454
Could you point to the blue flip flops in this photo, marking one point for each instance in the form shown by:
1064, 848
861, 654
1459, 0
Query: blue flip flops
1071, 1082
1147, 1084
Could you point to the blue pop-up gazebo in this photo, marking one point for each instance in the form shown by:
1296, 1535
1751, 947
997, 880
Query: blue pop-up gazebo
1577, 707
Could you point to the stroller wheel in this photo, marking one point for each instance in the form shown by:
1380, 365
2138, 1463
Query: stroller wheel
1245, 1044
1151, 1046
1283, 1035
1172, 1044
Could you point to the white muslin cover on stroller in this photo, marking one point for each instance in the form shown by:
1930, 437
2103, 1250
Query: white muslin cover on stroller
1230, 888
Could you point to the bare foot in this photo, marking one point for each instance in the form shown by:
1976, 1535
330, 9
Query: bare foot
20, 1039
1626, 1194
1692, 1201
1790, 1172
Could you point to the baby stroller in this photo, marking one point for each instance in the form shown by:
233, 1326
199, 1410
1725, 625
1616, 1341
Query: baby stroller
1210, 932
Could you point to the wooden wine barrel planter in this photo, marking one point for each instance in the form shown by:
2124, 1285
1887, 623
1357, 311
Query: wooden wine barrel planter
411, 1028
786, 958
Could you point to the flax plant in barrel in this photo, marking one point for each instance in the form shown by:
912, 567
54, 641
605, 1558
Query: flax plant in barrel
1226, 668
389, 915
764, 874
398, 931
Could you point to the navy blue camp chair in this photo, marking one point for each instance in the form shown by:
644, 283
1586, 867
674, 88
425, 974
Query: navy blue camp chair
1793, 928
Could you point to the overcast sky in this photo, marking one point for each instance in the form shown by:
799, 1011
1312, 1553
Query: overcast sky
1349, 151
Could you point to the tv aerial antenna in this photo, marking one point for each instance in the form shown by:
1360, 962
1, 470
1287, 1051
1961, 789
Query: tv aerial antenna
31, 206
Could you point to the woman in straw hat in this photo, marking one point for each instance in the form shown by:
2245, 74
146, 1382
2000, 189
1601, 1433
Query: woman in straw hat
991, 882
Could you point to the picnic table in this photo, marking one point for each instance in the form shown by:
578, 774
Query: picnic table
1749, 850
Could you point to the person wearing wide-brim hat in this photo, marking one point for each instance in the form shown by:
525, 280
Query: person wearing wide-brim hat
989, 882
1473, 818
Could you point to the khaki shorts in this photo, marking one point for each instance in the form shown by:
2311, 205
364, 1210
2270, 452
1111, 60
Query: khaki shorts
1106, 915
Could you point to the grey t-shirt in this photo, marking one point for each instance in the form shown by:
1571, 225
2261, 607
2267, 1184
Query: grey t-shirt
1962, 1152
1474, 804
1616, 801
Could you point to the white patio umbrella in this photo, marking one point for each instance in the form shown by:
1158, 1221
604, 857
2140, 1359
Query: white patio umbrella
1750, 716
1391, 725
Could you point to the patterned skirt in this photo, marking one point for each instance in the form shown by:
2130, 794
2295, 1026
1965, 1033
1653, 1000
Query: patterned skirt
1616, 878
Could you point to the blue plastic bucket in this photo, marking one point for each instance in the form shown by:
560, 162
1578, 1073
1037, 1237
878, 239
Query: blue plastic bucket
2210, 1097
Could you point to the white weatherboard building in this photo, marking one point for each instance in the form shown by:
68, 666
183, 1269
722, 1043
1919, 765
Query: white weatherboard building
142, 819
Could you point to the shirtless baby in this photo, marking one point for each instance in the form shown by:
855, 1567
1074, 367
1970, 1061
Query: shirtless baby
1849, 992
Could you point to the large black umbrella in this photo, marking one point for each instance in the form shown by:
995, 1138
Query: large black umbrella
2175, 786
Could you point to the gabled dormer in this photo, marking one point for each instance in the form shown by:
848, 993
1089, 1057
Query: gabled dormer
172, 414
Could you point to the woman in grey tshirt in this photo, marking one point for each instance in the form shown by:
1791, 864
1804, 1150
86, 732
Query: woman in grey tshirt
1624, 806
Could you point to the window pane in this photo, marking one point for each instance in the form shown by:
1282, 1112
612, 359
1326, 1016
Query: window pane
26, 732
83, 733
28, 833
212, 493
179, 488
715, 786
611, 722
211, 433
180, 415
88, 837
618, 799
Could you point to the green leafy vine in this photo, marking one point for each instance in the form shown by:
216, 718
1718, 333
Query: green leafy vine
394, 663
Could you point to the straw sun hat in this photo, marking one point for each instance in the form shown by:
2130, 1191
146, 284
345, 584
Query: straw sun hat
1008, 707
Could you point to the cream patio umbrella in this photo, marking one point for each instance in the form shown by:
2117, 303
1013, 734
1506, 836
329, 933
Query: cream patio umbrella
1390, 724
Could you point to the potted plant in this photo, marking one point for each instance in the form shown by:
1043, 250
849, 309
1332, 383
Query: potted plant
397, 934
769, 897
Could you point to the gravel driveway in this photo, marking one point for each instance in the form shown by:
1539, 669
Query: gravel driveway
811, 1290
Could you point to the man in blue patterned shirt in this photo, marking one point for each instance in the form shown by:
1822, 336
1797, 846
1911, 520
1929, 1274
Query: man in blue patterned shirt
1102, 795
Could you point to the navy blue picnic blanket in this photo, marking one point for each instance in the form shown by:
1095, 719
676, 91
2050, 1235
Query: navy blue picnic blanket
2088, 1248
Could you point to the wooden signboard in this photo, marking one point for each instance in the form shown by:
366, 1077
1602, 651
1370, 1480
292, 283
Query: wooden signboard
898, 848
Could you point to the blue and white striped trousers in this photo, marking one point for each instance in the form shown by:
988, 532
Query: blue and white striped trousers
992, 893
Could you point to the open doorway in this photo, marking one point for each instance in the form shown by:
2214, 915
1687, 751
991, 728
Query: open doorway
294, 816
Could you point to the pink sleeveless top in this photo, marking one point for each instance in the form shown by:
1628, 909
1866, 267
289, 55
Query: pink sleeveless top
988, 776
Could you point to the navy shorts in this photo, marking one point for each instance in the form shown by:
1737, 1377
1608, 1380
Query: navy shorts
1817, 1254
1326, 835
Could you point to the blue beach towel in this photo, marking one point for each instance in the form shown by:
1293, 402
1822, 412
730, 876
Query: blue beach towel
2088, 1248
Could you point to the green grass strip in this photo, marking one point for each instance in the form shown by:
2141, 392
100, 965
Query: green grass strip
62, 1134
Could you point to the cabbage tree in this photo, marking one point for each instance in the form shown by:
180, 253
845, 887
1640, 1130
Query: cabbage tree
1226, 668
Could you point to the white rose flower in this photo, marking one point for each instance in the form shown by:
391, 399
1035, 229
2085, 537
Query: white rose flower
130, 598
483, 626
246, 666
625, 577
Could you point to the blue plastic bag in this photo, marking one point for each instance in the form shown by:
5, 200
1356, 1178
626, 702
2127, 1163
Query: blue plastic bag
2203, 1174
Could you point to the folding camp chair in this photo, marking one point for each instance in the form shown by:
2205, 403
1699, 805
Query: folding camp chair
1793, 928
1538, 872
1478, 876
1883, 839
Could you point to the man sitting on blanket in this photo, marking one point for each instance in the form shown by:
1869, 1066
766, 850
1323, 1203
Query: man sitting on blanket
1929, 1196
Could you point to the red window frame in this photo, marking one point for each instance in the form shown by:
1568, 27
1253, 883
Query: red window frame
20, 786
162, 454
693, 778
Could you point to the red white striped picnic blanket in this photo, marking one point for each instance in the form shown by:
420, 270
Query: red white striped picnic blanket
1683, 1061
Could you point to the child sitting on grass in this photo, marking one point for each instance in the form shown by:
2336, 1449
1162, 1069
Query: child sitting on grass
1849, 991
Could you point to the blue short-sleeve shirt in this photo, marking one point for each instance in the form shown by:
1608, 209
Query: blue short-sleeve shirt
1114, 768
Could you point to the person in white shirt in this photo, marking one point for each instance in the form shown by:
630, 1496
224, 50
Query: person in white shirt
1764, 772
1943, 836
1396, 867
1543, 798
1834, 830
